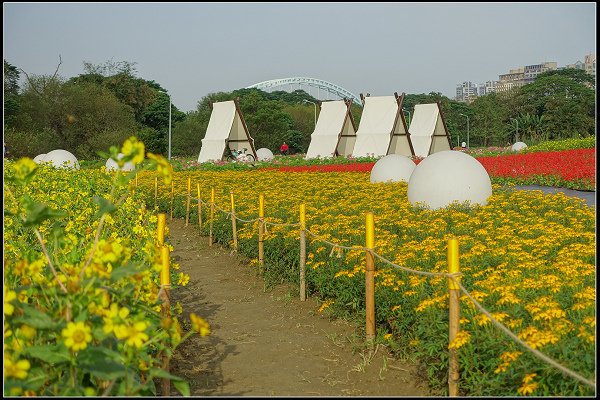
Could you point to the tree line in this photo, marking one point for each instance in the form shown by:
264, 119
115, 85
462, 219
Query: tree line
108, 103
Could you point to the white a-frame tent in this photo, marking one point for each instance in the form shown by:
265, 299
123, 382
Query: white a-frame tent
226, 131
335, 132
382, 120
428, 131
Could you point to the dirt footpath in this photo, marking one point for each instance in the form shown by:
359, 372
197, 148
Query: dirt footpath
268, 343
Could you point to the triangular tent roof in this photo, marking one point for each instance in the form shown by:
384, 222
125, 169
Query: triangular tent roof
378, 125
400, 142
226, 128
335, 131
428, 131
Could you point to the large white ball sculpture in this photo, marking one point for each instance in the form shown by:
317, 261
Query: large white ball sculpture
264, 154
448, 176
39, 158
518, 146
392, 168
62, 159
111, 165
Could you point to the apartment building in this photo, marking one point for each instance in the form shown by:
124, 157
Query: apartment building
590, 64
513, 79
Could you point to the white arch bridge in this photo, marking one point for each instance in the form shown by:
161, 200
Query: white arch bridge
320, 84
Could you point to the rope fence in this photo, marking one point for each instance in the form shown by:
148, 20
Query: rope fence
453, 275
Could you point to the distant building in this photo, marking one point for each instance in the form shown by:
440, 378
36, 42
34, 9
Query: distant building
578, 65
530, 72
514, 79
466, 91
590, 64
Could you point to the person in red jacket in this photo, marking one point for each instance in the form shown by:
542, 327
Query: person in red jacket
284, 148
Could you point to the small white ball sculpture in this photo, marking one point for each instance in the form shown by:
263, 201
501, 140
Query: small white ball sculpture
62, 159
448, 176
392, 168
39, 158
264, 154
518, 146
111, 165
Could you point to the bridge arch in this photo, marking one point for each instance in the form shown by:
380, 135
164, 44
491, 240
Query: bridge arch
329, 87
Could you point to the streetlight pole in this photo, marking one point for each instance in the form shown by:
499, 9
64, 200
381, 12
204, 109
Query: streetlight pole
314, 104
405, 110
467, 129
517, 134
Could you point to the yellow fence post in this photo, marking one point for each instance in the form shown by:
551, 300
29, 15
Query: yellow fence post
172, 196
370, 279
212, 216
165, 284
136, 182
233, 223
302, 252
189, 198
261, 230
454, 316
199, 209
162, 221
155, 190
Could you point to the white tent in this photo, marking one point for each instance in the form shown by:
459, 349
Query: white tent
381, 121
428, 132
226, 128
335, 132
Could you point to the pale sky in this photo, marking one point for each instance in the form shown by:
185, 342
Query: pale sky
193, 49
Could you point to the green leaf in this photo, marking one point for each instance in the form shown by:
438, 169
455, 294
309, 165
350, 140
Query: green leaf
35, 318
161, 373
183, 387
105, 206
52, 354
39, 212
102, 363
119, 273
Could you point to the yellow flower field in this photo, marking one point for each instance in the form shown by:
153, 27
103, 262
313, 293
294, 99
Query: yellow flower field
528, 258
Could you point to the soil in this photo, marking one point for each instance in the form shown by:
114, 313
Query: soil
268, 342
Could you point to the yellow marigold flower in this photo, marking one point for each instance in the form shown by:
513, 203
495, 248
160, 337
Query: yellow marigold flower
17, 370
183, 279
528, 386
133, 334
27, 332
325, 305
387, 336
460, 340
163, 167
200, 325
77, 335
133, 147
8, 297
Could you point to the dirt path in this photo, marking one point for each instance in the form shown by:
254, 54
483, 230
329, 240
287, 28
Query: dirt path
269, 343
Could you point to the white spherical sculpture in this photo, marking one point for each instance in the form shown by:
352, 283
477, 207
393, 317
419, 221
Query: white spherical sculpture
39, 158
518, 146
392, 168
62, 159
264, 154
446, 177
112, 165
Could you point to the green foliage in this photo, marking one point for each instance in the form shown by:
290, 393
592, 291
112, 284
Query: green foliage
566, 144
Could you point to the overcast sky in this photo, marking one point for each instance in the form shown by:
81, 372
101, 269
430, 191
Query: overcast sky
193, 49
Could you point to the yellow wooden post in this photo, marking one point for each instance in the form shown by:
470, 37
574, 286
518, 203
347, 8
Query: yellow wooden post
162, 221
165, 283
233, 223
212, 215
189, 198
370, 279
155, 190
199, 209
302, 252
261, 230
136, 182
454, 315
172, 196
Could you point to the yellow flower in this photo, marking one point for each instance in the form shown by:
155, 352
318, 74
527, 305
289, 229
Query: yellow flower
387, 336
77, 335
133, 334
528, 386
200, 325
183, 279
132, 147
24, 167
17, 370
163, 167
460, 340
8, 297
